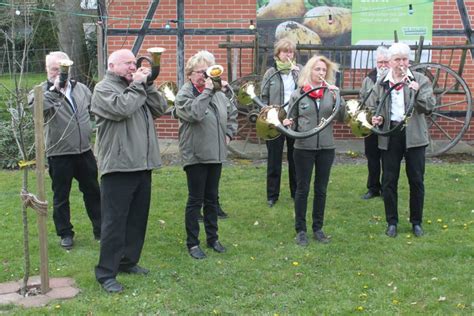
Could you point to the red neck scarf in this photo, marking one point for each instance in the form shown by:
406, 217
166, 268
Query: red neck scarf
199, 89
316, 94
398, 88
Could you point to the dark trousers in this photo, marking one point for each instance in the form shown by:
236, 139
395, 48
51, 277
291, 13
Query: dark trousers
125, 207
83, 168
203, 188
304, 161
415, 171
275, 157
374, 155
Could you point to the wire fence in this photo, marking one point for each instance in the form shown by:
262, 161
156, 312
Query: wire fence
35, 61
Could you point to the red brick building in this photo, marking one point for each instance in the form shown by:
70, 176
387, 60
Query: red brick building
184, 27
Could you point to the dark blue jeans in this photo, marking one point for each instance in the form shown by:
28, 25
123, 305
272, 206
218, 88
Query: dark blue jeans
83, 168
304, 161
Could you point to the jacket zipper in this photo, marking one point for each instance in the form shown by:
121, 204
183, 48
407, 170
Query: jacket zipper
145, 114
317, 120
216, 113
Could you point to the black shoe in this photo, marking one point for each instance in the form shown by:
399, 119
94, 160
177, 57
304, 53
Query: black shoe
301, 239
221, 214
136, 269
112, 286
370, 195
196, 252
97, 238
391, 231
217, 247
67, 242
200, 217
418, 231
321, 237
271, 202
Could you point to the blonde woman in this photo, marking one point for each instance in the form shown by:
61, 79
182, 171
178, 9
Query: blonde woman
317, 151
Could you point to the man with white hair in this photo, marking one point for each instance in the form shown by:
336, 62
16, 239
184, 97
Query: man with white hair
372, 151
125, 104
410, 141
66, 106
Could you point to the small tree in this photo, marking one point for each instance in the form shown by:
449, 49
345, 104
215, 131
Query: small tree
21, 30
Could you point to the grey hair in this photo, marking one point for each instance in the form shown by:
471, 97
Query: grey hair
201, 57
57, 55
382, 51
399, 49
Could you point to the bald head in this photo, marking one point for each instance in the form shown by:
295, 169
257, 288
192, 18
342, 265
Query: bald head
123, 63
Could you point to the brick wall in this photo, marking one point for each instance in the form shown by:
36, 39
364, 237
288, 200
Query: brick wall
224, 14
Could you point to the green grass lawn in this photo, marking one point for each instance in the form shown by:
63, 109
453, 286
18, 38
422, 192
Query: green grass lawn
264, 272
7, 83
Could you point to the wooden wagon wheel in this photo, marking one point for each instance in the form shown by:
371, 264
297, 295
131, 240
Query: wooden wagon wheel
453, 110
247, 140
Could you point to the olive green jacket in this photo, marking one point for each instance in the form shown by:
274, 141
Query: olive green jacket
68, 126
307, 116
127, 139
273, 89
416, 128
204, 121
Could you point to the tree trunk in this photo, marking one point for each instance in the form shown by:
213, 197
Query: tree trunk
71, 37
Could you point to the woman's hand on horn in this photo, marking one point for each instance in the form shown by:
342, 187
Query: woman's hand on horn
225, 85
377, 120
287, 122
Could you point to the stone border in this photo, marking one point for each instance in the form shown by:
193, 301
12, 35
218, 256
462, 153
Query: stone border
61, 288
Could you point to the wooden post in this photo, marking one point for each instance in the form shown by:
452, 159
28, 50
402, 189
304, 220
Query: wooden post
100, 52
41, 219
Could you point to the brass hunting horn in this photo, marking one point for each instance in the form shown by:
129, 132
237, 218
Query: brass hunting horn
64, 65
154, 61
270, 120
214, 72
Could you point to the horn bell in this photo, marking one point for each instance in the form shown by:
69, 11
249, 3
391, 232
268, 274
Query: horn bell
266, 130
359, 119
214, 72
64, 65
169, 89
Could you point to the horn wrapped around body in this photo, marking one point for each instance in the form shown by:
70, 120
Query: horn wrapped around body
271, 117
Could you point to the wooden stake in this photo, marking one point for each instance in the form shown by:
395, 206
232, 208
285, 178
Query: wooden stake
40, 170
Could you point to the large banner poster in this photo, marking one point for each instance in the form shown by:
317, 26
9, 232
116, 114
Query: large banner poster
374, 22
345, 22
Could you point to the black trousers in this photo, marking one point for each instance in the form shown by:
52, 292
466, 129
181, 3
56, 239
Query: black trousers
374, 155
125, 207
304, 161
83, 168
203, 188
415, 171
275, 158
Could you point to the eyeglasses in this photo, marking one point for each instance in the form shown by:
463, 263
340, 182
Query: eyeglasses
200, 72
